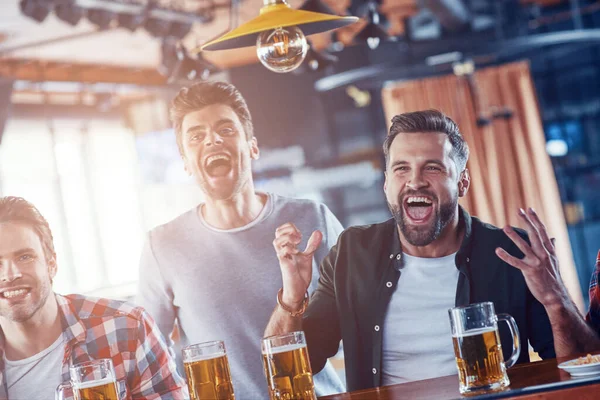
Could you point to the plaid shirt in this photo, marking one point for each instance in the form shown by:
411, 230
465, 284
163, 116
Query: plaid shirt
593, 315
101, 328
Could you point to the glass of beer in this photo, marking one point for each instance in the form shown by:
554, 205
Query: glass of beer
91, 380
287, 367
477, 347
207, 371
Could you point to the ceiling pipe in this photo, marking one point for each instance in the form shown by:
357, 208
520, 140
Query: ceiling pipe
153, 11
453, 15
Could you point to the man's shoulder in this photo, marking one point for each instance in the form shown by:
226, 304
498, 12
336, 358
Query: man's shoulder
89, 308
296, 204
492, 233
304, 212
369, 233
486, 238
174, 226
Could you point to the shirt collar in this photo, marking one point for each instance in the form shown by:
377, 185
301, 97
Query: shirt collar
73, 327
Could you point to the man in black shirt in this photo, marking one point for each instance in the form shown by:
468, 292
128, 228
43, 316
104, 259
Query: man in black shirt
356, 300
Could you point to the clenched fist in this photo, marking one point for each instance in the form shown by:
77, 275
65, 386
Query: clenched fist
296, 265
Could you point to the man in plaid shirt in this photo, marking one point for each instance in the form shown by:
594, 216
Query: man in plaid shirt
43, 333
593, 315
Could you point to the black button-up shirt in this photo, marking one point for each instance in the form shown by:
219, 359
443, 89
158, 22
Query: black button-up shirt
361, 272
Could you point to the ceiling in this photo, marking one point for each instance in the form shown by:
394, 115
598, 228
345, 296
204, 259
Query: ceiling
33, 51
115, 46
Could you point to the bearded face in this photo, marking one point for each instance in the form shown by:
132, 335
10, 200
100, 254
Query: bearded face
421, 216
422, 185
25, 273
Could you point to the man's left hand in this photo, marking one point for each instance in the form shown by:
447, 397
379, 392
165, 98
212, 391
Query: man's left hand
540, 264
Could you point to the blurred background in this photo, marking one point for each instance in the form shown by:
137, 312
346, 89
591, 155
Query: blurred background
85, 136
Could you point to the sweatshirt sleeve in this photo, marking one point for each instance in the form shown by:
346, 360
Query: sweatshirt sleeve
154, 293
331, 231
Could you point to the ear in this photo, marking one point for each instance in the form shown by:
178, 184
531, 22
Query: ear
254, 151
52, 269
464, 183
384, 181
185, 165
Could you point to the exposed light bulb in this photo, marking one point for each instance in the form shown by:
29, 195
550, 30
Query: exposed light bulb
282, 49
373, 42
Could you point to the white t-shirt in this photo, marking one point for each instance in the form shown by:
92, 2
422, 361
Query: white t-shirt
417, 340
38, 376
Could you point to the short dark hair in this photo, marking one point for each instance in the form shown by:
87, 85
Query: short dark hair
19, 211
429, 121
203, 94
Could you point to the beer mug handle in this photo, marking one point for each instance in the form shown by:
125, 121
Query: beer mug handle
514, 330
63, 391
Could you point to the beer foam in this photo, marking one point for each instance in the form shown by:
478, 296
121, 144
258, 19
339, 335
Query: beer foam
87, 385
475, 332
201, 357
283, 349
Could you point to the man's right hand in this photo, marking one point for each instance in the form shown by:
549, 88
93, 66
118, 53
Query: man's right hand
296, 266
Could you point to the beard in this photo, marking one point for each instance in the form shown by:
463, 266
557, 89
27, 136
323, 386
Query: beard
224, 191
23, 311
228, 186
423, 235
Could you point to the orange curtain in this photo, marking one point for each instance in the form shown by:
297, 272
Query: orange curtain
508, 163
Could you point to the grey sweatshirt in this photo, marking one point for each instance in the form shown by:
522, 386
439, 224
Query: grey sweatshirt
222, 284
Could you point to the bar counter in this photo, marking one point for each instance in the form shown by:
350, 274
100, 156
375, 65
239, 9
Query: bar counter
538, 380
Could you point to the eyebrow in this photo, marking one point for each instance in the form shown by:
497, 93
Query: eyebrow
395, 163
202, 127
437, 162
19, 252
430, 161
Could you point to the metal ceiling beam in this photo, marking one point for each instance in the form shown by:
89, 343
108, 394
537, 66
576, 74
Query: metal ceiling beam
41, 71
138, 9
489, 52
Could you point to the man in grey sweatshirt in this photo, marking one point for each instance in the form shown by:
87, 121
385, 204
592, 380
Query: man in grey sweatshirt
213, 268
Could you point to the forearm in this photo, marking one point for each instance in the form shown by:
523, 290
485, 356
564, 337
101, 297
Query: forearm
282, 322
571, 333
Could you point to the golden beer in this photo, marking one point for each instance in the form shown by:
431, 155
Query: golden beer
209, 378
479, 359
288, 373
104, 389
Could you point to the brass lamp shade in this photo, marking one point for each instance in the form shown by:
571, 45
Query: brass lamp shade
273, 16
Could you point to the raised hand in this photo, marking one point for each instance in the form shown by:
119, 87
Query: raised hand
540, 264
296, 265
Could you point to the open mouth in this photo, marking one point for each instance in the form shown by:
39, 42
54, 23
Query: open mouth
14, 293
218, 165
418, 208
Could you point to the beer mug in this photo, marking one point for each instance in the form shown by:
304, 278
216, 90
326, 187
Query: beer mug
91, 380
477, 347
207, 371
287, 367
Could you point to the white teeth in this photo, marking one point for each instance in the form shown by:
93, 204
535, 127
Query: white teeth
14, 293
415, 199
216, 157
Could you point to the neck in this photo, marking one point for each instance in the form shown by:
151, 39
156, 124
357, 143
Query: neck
447, 243
235, 212
27, 338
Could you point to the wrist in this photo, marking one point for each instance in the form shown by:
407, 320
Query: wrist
290, 300
557, 300
559, 308
290, 305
